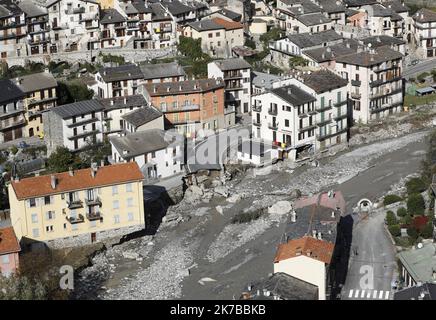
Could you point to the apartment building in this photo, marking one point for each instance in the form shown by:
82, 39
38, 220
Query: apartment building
331, 92
218, 36
236, 73
77, 207
142, 119
375, 82
424, 31
113, 29
163, 26
12, 120
9, 250
383, 20
117, 81
12, 30
152, 150
285, 116
261, 81
75, 126
40, 96
334, 9
189, 106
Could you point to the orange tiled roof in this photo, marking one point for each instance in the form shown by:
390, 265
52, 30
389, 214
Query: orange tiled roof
229, 25
317, 249
8, 241
82, 179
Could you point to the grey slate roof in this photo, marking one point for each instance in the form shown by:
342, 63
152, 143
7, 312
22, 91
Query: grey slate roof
285, 287
182, 87
142, 7
77, 108
313, 19
332, 6
9, 91
420, 263
358, 3
120, 73
176, 7
205, 25
324, 80
139, 143
31, 9
307, 40
110, 16
37, 81
294, 95
230, 14
136, 100
142, 116
396, 5
367, 59
425, 15
329, 53
232, 64
162, 70
305, 7
264, 80
159, 13
382, 40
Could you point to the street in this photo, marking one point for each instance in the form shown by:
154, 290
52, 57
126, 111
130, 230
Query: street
424, 66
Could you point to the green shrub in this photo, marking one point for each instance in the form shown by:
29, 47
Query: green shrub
402, 241
427, 231
14, 150
391, 198
415, 185
401, 212
413, 233
407, 219
415, 204
391, 219
395, 230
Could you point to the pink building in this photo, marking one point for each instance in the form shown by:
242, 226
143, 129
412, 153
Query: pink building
9, 249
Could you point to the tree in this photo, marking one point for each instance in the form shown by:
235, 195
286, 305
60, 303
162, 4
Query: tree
401, 212
95, 152
412, 232
415, 185
427, 231
272, 35
21, 288
407, 219
73, 91
60, 160
395, 230
297, 62
391, 198
250, 43
194, 56
391, 219
415, 204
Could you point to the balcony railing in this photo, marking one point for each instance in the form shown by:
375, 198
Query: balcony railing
256, 123
340, 103
323, 122
324, 108
272, 111
273, 126
307, 128
91, 216
93, 202
355, 95
356, 83
74, 204
257, 108
76, 219
340, 116
10, 124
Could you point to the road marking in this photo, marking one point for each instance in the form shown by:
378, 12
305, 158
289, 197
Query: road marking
363, 294
351, 293
368, 295
374, 294
357, 294
387, 295
381, 294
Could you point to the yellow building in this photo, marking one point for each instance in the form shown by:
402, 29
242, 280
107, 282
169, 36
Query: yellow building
78, 207
106, 4
40, 90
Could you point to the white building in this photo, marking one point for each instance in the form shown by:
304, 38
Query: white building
117, 81
424, 30
75, 126
113, 29
375, 82
237, 77
152, 150
306, 259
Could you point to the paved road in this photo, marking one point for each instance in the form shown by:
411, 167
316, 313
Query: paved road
426, 65
373, 245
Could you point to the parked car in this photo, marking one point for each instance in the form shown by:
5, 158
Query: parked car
414, 62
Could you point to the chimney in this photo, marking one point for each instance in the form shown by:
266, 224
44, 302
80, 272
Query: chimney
314, 233
101, 163
293, 216
125, 100
289, 90
168, 89
154, 89
319, 236
94, 169
53, 181
71, 171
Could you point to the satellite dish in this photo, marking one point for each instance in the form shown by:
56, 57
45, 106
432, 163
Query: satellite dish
420, 245
369, 45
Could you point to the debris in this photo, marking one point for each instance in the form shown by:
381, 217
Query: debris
280, 207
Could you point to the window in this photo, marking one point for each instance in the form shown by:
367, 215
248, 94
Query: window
129, 187
130, 216
217, 34
35, 233
115, 204
47, 200
34, 218
32, 202
130, 202
116, 219
49, 228
49, 215
286, 123
210, 35
114, 190
5, 259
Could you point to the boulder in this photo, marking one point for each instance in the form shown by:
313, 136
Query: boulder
280, 207
130, 255
234, 198
222, 191
219, 209
193, 194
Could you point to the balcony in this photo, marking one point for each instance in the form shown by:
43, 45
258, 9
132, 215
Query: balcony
256, 123
340, 103
340, 116
74, 204
323, 108
355, 95
307, 128
272, 111
257, 108
232, 75
83, 134
383, 93
377, 83
10, 113
92, 216
81, 123
323, 122
234, 86
5, 125
386, 107
77, 219
356, 83
273, 126
93, 202
330, 134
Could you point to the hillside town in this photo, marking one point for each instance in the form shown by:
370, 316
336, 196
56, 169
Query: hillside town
217, 149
